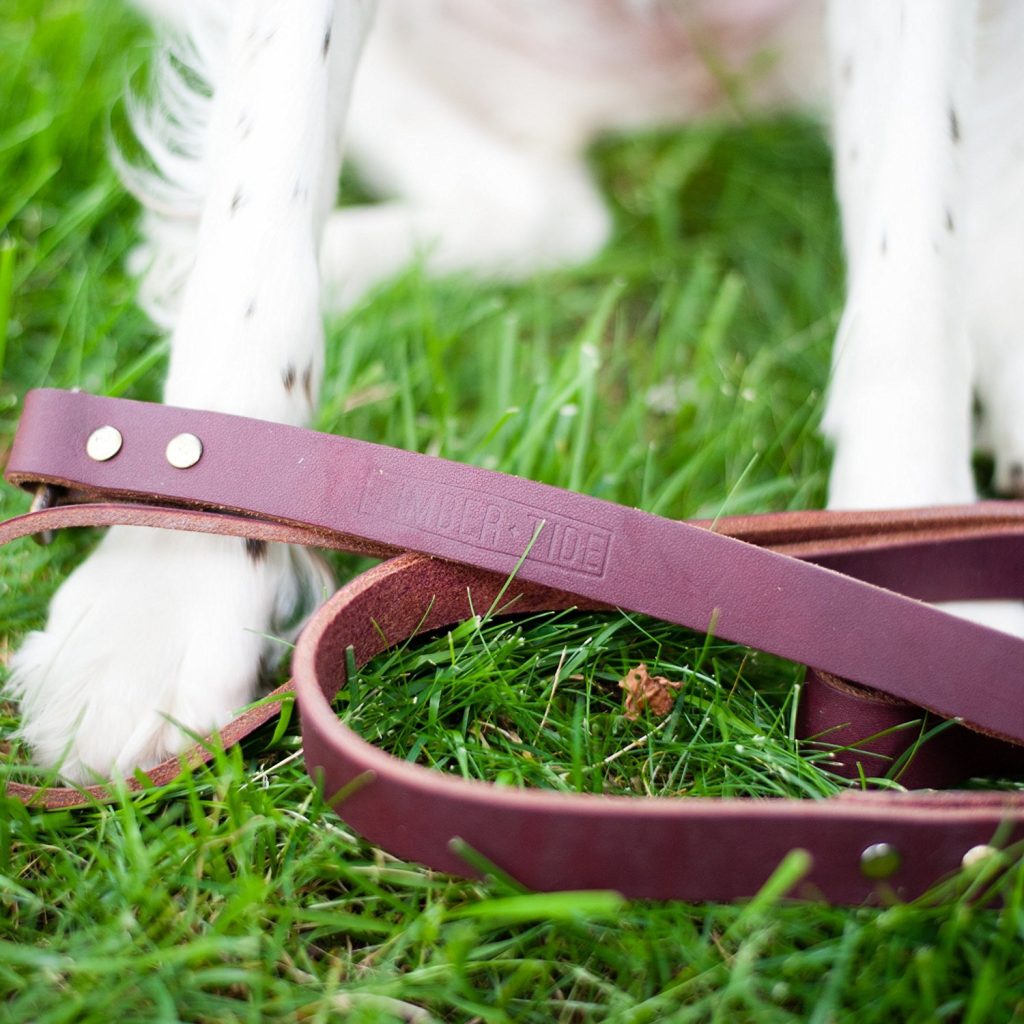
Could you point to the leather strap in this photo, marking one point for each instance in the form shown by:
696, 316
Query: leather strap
694, 849
828, 595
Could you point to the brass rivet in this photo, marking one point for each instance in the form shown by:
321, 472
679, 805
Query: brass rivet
184, 451
976, 854
880, 860
103, 444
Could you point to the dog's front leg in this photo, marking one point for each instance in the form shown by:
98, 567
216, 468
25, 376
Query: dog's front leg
156, 635
900, 403
899, 409
995, 231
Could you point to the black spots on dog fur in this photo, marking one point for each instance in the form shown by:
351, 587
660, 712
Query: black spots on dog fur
255, 42
327, 43
256, 550
289, 376
954, 124
250, 308
950, 223
237, 200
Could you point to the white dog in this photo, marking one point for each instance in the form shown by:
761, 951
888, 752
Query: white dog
474, 116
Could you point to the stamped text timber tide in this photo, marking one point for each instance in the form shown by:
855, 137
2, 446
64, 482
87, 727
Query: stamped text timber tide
486, 521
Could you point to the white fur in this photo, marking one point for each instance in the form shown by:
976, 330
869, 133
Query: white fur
995, 176
899, 410
472, 118
153, 638
928, 168
929, 151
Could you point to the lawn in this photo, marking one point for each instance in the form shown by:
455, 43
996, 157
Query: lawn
681, 372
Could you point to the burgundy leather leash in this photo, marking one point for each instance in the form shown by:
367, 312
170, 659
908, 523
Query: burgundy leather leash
839, 592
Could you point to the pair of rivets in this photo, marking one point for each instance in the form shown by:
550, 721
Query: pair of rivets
882, 860
182, 452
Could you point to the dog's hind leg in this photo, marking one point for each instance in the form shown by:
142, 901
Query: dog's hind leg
464, 196
158, 635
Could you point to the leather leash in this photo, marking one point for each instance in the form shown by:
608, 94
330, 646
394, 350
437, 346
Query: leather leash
839, 592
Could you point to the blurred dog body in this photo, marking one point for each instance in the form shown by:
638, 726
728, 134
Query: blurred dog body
472, 113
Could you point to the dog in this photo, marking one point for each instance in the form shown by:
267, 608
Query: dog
473, 113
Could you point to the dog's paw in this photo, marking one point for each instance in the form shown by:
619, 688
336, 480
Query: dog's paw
155, 638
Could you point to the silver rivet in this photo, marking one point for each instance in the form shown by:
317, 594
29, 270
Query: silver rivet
976, 854
880, 860
103, 444
184, 451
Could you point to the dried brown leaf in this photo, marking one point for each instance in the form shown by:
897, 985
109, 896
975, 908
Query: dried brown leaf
646, 691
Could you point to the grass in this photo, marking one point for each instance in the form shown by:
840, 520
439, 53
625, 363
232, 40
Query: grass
681, 372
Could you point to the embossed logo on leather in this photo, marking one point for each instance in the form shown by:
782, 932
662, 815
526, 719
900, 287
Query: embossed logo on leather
486, 521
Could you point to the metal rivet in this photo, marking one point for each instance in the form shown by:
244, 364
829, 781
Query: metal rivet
880, 860
184, 451
976, 854
103, 444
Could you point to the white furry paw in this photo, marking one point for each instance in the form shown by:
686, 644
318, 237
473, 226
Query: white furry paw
154, 639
